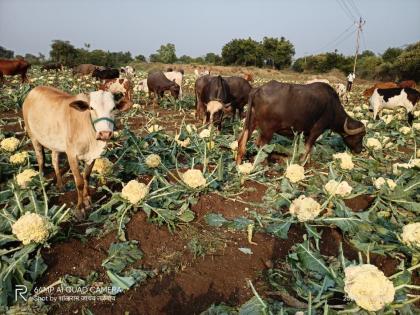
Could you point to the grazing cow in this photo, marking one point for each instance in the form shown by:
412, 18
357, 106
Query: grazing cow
169, 69
79, 125
52, 66
127, 70
85, 69
393, 98
212, 97
407, 84
14, 67
239, 89
177, 78
380, 85
248, 77
105, 74
287, 108
158, 83
318, 80
121, 88
201, 73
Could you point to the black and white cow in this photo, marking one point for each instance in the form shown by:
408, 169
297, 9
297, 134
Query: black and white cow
393, 98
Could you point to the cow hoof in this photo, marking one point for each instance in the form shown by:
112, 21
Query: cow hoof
80, 214
87, 202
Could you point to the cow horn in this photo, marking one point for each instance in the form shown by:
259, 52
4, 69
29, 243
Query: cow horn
352, 132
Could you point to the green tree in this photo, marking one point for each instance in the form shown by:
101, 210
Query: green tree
243, 52
185, 59
277, 53
64, 52
391, 54
166, 54
5, 53
212, 58
408, 63
140, 58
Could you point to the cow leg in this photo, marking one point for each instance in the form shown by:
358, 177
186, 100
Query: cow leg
86, 174
40, 155
78, 179
243, 139
1, 78
23, 77
309, 143
55, 157
264, 138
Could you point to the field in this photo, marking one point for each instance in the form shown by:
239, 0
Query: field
226, 242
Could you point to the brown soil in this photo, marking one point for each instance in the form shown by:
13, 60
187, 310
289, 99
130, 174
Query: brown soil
359, 203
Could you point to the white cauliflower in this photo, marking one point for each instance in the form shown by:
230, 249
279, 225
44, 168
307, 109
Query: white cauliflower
194, 178
102, 166
245, 168
374, 144
416, 126
305, 208
183, 143
25, 177
405, 130
234, 145
346, 162
411, 234
335, 188
368, 287
154, 128
191, 128
415, 163
388, 119
9, 144
19, 158
134, 191
418, 153
205, 133
380, 181
396, 167
295, 173
31, 227
153, 160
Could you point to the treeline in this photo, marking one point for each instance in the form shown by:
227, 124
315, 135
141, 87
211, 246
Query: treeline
276, 53
393, 65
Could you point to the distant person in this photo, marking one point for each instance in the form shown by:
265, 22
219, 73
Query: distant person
350, 79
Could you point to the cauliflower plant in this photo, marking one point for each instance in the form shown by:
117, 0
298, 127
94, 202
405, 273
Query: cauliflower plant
368, 287
411, 234
305, 208
295, 173
102, 166
405, 130
134, 191
194, 178
374, 144
245, 168
205, 133
31, 227
9, 144
153, 160
25, 177
233, 145
335, 188
154, 128
346, 162
19, 158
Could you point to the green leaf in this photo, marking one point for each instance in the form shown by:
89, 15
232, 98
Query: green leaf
253, 307
215, 219
121, 255
121, 282
37, 266
186, 216
311, 260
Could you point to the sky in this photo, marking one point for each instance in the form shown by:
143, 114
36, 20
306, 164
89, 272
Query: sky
197, 27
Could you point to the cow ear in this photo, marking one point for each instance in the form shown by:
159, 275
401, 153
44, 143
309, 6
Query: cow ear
124, 105
80, 105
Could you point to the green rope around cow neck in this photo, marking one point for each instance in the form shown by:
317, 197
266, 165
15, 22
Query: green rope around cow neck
100, 119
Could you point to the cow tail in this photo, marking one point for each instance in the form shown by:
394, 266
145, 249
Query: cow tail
246, 132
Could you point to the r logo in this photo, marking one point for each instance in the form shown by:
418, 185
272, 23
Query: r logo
20, 290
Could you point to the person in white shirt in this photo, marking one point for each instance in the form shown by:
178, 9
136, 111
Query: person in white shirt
350, 79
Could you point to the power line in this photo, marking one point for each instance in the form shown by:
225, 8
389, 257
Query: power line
346, 10
339, 37
355, 8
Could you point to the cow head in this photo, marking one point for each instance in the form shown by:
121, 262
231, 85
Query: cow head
174, 89
101, 105
354, 131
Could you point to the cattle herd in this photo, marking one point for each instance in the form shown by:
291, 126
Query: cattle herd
86, 121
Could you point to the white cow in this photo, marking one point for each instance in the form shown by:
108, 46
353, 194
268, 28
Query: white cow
176, 77
393, 98
127, 70
78, 125
142, 86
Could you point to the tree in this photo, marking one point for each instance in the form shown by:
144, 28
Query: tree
243, 52
408, 63
64, 52
277, 53
185, 59
5, 53
212, 58
166, 54
391, 54
140, 58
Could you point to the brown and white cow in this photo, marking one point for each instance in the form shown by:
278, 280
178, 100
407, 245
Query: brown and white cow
14, 67
407, 84
79, 125
121, 88
380, 85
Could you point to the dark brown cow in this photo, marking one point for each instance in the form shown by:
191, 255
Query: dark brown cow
52, 66
14, 67
86, 69
239, 89
287, 108
158, 83
407, 84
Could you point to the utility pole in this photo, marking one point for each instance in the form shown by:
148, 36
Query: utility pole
359, 30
